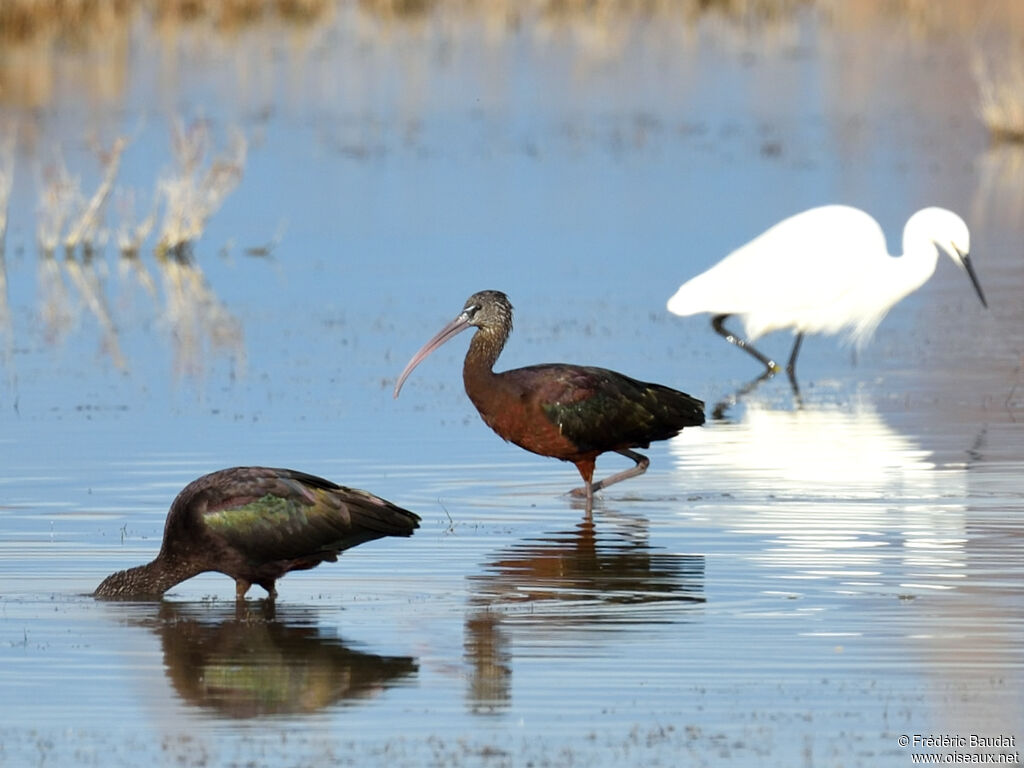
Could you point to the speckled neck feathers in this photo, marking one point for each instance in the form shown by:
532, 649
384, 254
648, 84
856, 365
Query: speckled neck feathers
150, 580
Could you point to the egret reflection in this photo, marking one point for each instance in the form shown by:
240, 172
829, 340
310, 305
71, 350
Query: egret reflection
585, 580
831, 491
253, 660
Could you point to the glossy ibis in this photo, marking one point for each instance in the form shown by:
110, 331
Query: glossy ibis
826, 270
256, 524
569, 412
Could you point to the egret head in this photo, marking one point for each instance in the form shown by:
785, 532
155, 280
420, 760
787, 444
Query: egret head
949, 234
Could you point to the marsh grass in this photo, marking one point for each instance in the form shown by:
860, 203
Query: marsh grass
183, 200
1001, 96
59, 192
86, 227
132, 232
193, 192
66, 216
8, 135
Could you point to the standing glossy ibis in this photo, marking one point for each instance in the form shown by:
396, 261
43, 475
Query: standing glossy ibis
825, 270
569, 412
256, 524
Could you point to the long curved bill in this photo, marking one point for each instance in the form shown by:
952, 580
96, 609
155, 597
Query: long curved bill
455, 327
969, 268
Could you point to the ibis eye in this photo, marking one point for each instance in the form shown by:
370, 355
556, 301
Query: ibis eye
470, 311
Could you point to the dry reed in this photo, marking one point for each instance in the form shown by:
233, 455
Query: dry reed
192, 194
8, 134
1001, 96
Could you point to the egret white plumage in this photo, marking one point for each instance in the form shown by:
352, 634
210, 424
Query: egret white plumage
825, 270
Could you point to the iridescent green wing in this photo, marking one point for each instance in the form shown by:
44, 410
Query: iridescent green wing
283, 514
598, 409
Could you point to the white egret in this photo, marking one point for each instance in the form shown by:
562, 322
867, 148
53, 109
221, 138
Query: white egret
825, 270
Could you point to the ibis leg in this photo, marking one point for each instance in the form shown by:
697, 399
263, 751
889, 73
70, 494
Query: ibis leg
642, 462
586, 470
718, 323
241, 587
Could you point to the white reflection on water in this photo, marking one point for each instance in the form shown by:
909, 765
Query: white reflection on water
831, 491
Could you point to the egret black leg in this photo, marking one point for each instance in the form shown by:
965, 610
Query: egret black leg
791, 369
791, 365
718, 323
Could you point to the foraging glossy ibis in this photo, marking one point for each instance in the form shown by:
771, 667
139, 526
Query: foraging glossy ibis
256, 524
825, 270
569, 412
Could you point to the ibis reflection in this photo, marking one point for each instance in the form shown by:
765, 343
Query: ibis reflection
254, 660
830, 491
591, 579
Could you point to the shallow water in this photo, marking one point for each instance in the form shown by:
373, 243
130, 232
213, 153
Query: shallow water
800, 582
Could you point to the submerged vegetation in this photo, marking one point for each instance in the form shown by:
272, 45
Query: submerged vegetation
192, 193
76, 224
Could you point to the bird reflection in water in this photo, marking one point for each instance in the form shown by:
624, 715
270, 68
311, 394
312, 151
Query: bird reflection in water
571, 581
851, 498
253, 660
